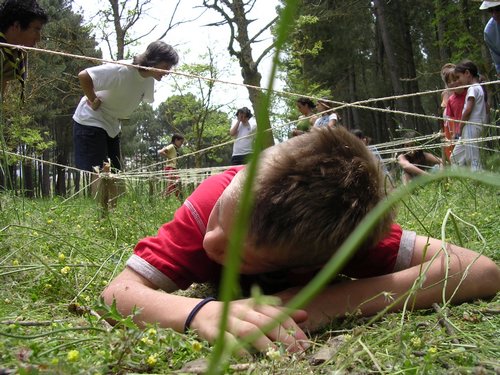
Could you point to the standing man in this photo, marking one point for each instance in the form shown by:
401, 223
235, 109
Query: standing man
244, 131
21, 23
112, 93
492, 31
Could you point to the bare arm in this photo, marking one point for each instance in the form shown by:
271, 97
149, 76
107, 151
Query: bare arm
130, 290
163, 151
333, 120
432, 159
87, 86
312, 121
469, 105
481, 278
408, 167
233, 132
332, 123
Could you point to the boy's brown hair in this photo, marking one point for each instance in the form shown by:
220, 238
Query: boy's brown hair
312, 192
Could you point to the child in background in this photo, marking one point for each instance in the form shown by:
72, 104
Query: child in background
307, 117
474, 112
416, 162
243, 130
450, 108
453, 106
309, 194
171, 153
328, 117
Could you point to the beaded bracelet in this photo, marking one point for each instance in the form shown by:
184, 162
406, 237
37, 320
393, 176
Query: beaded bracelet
195, 311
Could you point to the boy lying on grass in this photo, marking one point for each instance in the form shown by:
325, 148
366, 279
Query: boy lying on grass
310, 194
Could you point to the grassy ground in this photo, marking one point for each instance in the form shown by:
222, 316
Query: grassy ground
55, 258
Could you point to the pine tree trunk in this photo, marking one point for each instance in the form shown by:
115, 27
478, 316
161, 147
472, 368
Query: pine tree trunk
392, 61
28, 178
60, 181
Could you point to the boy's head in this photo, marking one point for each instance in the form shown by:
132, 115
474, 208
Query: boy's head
305, 105
21, 21
311, 192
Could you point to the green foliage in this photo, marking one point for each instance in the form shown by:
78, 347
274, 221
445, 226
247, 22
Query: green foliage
52, 90
142, 136
337, 46
17, 131
203, 127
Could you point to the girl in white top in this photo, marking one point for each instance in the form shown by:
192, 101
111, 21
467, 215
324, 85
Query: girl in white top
112, 93
243, 129
328, 118
474, 113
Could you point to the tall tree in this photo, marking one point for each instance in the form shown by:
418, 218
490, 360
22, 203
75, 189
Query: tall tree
52, 92
395, 26
370, 49
124, 15
235, 15
332, 51
55, 89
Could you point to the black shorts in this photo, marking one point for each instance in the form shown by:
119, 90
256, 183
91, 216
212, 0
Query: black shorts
240, 159
93, 147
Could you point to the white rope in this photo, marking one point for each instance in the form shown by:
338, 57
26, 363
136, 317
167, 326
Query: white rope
358, 104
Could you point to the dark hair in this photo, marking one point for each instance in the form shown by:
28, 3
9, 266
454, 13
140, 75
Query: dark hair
22, 11
358, 133
306, 101
312, 192
245, 111
176, 137
467, 65
156, 53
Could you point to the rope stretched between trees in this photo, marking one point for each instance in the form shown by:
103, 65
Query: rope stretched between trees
341, 105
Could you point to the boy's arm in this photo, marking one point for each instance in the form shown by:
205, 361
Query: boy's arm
409, 167
371, 295
131, 290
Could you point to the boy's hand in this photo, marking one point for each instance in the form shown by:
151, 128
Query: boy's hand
247, 318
